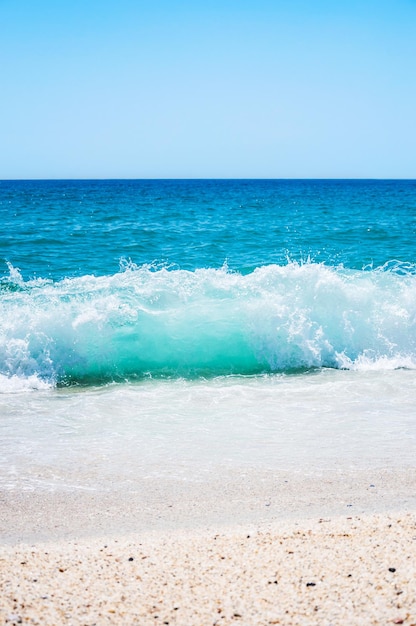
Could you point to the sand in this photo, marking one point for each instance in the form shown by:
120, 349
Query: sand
319, 557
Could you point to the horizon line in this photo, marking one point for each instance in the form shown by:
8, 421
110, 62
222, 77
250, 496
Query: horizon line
197, 178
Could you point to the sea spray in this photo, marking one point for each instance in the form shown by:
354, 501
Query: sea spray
150, 321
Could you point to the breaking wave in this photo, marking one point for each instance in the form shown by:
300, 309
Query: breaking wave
151, 321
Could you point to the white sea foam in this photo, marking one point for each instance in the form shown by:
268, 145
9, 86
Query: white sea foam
19, 384
160, 322
112, 436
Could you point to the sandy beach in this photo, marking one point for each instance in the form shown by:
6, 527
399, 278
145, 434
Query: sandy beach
334, 551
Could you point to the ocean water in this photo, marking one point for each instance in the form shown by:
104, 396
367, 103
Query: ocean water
180, 328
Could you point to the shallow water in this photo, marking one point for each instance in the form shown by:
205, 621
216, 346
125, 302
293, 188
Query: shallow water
109, 437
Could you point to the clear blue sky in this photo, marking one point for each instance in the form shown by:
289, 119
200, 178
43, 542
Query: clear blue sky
230, 88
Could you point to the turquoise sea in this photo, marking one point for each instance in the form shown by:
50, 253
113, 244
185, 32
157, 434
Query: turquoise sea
180, 327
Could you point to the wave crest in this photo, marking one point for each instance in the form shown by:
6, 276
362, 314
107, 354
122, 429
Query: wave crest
158, 321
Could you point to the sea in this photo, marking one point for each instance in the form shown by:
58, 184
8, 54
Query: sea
184, 328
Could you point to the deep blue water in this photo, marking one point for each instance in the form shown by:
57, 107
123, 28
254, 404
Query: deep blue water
113, 280
57, 229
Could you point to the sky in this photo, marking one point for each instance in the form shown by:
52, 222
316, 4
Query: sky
207, 89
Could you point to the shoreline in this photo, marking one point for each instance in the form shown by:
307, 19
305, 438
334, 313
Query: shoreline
278, 548
225, 498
